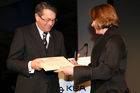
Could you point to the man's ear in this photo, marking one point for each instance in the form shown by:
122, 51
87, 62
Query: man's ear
36, 17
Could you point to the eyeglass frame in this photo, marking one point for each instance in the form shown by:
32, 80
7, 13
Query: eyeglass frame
47, 20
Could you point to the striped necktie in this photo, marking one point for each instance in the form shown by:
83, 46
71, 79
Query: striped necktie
44, 38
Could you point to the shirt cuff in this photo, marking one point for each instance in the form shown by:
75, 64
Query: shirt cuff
30, 68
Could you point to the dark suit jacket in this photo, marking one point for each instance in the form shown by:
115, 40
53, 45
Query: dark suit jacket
108, 63
26, 46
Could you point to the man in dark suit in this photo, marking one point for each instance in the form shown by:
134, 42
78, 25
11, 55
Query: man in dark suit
29, 44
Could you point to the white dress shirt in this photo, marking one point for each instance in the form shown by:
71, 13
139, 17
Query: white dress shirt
31, 70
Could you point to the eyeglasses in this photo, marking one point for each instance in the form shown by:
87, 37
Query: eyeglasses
48, 20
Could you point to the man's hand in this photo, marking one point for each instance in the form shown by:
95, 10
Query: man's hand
35, 64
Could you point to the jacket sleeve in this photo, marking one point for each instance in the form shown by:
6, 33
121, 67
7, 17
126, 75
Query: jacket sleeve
105, 69
15, 61
82, 74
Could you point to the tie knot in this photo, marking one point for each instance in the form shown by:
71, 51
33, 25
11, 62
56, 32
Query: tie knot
45, 34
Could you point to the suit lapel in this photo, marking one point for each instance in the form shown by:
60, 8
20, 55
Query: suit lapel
37, 39
50, 50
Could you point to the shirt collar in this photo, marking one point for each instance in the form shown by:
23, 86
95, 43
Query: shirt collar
41, 32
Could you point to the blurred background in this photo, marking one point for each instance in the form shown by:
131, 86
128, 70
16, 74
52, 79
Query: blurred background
73, 22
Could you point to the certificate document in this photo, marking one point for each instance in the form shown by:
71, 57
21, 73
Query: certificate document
84, 60
54, 63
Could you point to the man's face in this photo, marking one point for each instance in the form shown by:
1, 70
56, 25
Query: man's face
46, 21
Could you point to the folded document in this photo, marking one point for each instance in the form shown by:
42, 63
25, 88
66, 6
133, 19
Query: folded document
54, 63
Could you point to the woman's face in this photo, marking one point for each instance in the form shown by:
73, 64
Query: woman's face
101, 31
93, 25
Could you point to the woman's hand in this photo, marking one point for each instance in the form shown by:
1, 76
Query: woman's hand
67, 70
73, 61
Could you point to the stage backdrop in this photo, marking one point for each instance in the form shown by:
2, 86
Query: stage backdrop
84, 32
85, 44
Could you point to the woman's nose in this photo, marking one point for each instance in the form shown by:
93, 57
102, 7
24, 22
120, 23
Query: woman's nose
92, 24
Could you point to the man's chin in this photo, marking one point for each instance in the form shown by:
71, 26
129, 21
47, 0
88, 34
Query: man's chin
47, 30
